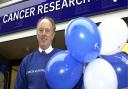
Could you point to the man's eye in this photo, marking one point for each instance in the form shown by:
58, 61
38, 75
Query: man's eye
47, 31
40, 30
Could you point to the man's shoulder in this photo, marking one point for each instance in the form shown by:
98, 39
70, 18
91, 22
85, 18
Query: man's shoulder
30, 55
57, 49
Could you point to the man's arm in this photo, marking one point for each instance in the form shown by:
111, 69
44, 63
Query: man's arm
21, 81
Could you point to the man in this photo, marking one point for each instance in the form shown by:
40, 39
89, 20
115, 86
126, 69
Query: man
31, 74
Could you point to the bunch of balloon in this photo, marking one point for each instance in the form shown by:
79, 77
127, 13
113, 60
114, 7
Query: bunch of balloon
119, 62
83, 43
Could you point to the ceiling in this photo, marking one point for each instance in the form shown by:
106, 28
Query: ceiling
3, 1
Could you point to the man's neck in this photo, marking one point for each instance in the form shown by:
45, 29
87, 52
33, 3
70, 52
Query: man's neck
48, 50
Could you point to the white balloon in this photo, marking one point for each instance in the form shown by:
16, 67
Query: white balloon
114, 35
99, 74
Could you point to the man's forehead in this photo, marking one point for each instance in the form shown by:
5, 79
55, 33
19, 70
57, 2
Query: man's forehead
44, 21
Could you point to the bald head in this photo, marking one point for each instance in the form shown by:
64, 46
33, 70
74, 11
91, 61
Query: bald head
50, 20
45, 32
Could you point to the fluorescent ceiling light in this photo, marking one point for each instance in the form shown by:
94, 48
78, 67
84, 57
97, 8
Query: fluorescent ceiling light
9, 3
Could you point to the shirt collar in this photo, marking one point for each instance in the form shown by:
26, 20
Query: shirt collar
48, 50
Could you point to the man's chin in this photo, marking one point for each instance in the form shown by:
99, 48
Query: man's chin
44, 46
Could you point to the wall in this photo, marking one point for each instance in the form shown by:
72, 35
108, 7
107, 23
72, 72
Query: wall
14, 70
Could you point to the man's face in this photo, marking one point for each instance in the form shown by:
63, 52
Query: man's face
45, 33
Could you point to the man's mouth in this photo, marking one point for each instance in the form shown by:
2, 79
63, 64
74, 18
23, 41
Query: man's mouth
43, 39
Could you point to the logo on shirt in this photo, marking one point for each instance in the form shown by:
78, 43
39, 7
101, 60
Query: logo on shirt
35, 71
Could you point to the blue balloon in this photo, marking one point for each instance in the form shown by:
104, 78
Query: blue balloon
83, 39
62, 71
119, 62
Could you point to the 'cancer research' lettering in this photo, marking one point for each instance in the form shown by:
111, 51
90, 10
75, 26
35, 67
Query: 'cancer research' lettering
42, 8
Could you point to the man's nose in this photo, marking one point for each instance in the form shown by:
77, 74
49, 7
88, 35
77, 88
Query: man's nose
43, 32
